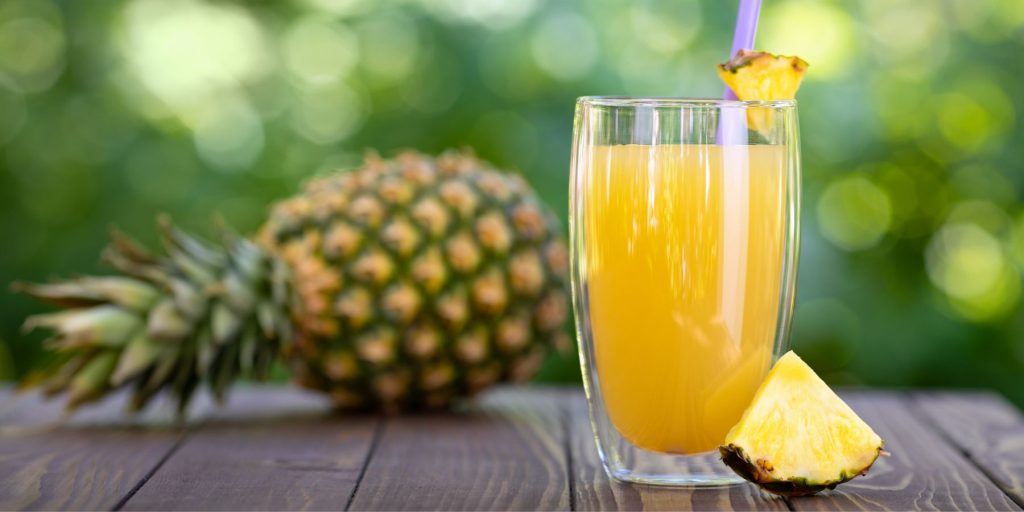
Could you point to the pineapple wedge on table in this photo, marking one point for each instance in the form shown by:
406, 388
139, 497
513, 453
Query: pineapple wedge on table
797, 437
403, 284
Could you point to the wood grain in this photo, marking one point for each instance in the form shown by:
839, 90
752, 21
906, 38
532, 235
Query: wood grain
88, 461
517, 448
595, 491
506, 453
923, 472
271, 449
986, 427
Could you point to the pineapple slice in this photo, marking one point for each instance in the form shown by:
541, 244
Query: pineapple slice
798, 437
763, 76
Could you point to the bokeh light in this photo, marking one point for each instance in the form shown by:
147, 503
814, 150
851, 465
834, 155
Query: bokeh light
186, 53
327, 114
854, 213
229, 134
338, 8
12, 111
821, 33
664, 27
974, 115
494, 14
32, 43
320, 51
912, 39
564, 46
967, 263
390, 45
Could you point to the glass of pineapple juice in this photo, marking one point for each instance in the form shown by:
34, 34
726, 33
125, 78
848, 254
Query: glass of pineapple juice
684, 227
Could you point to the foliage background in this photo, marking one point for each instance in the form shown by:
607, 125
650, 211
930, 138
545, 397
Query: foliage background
913, 144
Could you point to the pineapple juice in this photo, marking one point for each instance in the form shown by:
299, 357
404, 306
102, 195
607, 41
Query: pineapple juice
684, 246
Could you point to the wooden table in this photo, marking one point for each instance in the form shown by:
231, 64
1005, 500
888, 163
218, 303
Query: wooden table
517, 448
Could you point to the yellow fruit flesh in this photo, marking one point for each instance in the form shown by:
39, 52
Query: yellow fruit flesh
798, 430
763, 76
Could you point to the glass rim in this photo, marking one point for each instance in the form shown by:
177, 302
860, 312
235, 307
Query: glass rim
706, 103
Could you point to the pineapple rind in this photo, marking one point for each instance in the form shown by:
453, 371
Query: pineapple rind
737, 459
430, 278
798, 437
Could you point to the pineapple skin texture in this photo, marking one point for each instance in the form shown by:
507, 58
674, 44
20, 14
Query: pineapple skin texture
418, 280
798, 437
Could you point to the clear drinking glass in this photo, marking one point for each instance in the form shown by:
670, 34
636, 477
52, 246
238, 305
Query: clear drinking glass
684, 220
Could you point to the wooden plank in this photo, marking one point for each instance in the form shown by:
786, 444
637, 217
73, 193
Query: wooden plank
271, 449
986, 427
923, 472
595, 491
507, 452
89, 461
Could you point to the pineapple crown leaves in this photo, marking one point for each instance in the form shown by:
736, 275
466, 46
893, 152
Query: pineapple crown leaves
196, 313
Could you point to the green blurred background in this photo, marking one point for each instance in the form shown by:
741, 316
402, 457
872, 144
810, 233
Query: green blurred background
913, 144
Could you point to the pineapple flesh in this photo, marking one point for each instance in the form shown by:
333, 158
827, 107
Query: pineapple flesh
798, 437
762, 76
754, 75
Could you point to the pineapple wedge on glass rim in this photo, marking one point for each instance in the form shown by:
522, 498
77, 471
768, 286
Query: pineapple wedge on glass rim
798, 437
755, 75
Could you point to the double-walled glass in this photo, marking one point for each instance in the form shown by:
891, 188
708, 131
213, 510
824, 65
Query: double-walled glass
684, 225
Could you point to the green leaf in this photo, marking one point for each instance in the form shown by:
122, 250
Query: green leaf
225, 371
139, 355
238, 293
247, 355
224, 323
92, 380
267, 320
163, 370
59, 379
105, 325
190, 300
206, 352
127, 292
166, 323
178, 241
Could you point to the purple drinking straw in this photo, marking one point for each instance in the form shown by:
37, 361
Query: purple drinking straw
732, 124
746, 29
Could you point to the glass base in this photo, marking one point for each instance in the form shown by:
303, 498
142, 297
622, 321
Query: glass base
675, 480
638, 466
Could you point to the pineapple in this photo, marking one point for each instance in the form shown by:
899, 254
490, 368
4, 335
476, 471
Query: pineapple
403, 284
761, 76
754, 75
798, 437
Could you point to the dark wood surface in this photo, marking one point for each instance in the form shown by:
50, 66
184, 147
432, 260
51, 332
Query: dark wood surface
276, 448
986, 428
